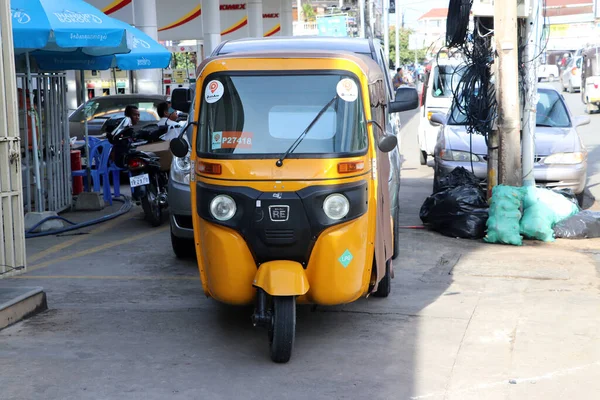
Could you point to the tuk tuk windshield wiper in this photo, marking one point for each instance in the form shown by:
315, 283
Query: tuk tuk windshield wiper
299, 139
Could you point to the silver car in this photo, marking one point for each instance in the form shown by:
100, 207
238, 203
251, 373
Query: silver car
560, 156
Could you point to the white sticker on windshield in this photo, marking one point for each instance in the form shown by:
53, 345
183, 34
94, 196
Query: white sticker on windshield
214, 91
347, 90
216, 140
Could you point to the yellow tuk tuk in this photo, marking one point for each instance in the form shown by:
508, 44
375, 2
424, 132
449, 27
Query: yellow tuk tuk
289, 182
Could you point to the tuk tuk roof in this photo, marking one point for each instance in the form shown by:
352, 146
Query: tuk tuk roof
369, 67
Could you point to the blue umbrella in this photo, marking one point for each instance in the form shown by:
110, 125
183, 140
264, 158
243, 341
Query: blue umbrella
63, 26
146, 53
66, 25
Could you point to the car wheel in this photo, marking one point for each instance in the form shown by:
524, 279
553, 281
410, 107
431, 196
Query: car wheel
423, 157
183, 248
551, 78
396, 233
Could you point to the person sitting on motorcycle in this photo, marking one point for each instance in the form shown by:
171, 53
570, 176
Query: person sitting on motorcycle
133, 113
168, 118
398, 79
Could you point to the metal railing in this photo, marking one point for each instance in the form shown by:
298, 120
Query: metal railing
12, 233
50, 114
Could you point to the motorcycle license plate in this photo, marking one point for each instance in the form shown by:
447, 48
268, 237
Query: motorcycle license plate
139, 180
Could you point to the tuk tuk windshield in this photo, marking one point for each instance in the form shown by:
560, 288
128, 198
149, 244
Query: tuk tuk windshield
264, 114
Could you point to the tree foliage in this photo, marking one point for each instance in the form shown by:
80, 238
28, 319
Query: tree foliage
183, 61
309, 12
406, 56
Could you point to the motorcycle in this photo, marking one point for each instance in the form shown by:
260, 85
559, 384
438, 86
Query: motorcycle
147, 179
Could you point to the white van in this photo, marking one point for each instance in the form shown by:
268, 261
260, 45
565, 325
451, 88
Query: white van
441, 78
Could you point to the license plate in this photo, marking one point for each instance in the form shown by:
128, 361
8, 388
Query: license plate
139, 180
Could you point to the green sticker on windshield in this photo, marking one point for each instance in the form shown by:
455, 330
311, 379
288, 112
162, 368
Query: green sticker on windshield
345, 258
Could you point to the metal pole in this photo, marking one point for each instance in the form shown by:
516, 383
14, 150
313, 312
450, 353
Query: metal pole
397, 36
211, 24
386, 31
88, 162
371, 18
505, 35
361, 12
286, 18
532, 49
255, 20
147, 80
34, 139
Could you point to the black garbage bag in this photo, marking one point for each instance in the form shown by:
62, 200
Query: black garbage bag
583, 225
457, 177
457, 212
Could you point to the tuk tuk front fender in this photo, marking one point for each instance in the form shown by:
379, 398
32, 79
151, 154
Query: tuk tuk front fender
282, 278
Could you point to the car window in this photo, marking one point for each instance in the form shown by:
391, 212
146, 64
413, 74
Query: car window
110, 107
579, 63
445, 79
550, 112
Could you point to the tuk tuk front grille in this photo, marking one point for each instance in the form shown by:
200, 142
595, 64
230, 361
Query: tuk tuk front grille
279, 236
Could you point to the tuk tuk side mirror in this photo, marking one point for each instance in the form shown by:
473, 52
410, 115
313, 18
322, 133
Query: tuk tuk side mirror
407, 98
179, 146
387, 143
181, 99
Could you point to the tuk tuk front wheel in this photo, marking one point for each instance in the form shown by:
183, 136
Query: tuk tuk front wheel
283, 328
385, 284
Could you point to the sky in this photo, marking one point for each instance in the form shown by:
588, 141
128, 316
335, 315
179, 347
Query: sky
414, 9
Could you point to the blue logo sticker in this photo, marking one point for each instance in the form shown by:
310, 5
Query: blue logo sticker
345, 258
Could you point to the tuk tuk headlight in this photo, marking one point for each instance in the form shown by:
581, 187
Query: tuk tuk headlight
336, 206
222, 207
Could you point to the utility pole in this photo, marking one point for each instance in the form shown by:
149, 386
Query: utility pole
533, 34
507, 93
386, 31
397, 36
361, 11
371, 18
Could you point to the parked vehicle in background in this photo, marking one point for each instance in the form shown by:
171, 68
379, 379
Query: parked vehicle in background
148, 175
179, 191
590, 79
547, 72
441, 78
108, 112
560, 156
571, 75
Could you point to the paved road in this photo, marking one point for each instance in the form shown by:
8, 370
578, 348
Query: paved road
128, 321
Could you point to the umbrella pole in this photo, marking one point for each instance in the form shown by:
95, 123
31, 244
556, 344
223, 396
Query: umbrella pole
36, 160
85, 130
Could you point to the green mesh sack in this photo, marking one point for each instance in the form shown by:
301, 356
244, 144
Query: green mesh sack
544, 208
504, 216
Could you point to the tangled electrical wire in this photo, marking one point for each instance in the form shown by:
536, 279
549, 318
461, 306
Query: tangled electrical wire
473, 92
457, 24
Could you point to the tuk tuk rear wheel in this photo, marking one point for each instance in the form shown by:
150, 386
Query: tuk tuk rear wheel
283, 328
